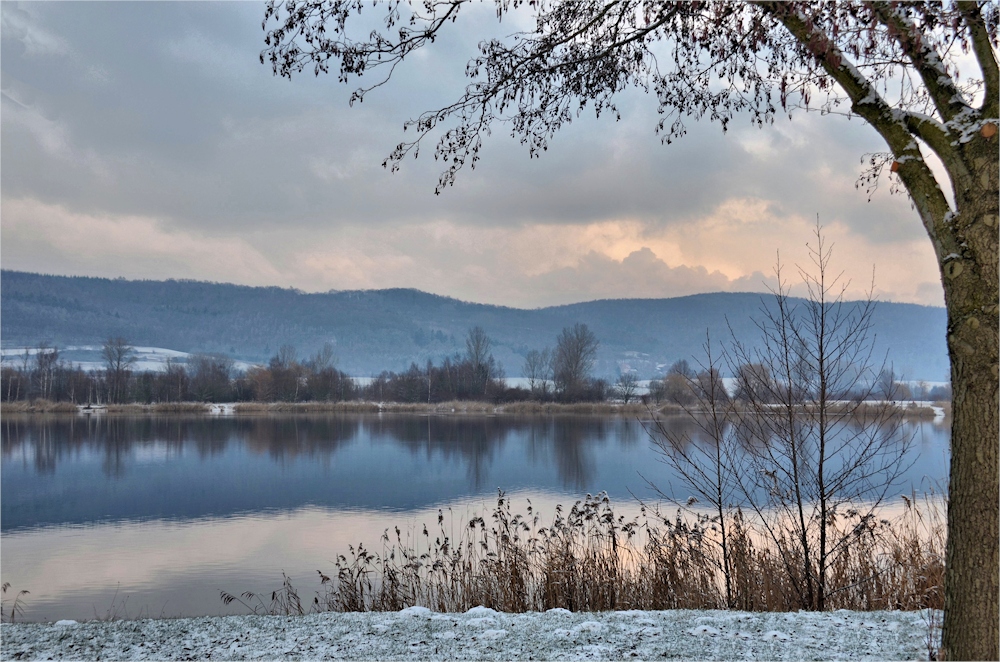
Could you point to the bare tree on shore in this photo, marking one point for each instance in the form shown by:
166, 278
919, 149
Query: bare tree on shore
118, 357
573, 360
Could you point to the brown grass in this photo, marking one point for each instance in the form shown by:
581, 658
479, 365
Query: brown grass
589, 559
160, 408
450, 407
864, 410
603, 408
305, 407
37, 406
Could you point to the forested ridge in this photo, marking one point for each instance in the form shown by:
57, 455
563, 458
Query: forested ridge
375, 330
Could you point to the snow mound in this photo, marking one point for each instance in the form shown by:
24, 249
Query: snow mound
419, 612
481, 611
589, 626
486, 622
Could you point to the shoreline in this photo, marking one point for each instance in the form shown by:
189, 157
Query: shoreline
343, 407
935, 411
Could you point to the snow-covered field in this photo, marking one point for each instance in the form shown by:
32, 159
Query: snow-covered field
88, 357
483, 634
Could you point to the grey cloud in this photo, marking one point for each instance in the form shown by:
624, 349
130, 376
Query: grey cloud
641, 274
194, 129
162, 110
21, 29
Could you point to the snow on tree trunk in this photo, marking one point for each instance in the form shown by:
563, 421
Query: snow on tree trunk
972, 584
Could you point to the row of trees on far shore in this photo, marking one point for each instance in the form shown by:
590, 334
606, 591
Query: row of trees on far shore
562, 374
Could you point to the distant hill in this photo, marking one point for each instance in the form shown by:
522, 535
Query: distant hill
375, 330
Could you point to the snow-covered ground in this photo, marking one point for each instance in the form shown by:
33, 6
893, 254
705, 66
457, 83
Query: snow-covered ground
483, 634
88, 357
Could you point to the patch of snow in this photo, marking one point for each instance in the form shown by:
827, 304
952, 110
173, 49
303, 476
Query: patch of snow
419, 633
589, 626
705, 630
481, 611
420, 612
484, 622
775, 635
222, 409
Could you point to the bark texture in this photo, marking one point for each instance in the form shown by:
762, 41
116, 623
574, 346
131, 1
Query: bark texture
972, 580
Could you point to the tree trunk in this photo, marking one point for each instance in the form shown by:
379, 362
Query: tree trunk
972, 576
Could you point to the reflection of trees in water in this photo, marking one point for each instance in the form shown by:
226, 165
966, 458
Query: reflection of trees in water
39, 437
688, 431
39, 440
473, 440
289, 437
117, 438
630, 432
569, 442
476, 441
574, 458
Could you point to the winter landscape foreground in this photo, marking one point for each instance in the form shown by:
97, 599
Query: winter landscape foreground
484, 634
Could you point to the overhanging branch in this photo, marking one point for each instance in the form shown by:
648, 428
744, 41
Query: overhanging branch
985, 55
948, 99
924, 189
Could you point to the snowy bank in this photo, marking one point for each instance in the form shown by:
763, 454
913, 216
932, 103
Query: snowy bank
483, 634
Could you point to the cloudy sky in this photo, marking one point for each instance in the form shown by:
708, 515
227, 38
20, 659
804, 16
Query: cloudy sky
145, 140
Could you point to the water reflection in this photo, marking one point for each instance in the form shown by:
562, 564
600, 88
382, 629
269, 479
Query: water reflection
86, 503
75, 470
71, 470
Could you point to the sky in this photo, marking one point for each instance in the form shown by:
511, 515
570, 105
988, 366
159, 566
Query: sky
146, 140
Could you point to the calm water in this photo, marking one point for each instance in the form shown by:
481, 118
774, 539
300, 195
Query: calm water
153, 516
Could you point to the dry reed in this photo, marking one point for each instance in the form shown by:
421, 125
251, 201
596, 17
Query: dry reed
589, 559
602, 408
449, 407
159, 408
37, 406
305, 407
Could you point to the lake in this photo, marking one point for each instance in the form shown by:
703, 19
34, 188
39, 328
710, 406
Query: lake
153, 516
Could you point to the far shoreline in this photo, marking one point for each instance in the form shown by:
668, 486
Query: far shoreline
920, 410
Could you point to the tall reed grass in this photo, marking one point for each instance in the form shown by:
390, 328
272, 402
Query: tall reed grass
590, 559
